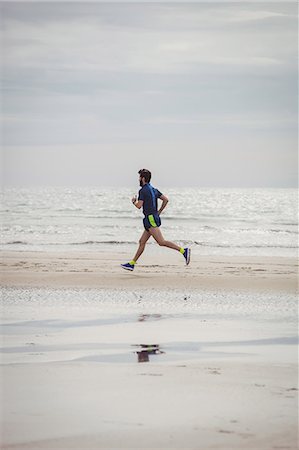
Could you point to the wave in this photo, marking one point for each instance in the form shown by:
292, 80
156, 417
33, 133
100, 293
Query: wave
59, 216
16, 243
204, 244
295, 224
70, 243
69, 209
124, 242
113, 217
284, 231
101, 242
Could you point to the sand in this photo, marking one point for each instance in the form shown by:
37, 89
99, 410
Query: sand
220, 337
162, 269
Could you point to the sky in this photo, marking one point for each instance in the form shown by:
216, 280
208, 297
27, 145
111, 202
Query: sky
201, 94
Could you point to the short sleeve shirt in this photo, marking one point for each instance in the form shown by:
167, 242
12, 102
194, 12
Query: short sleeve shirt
149, 195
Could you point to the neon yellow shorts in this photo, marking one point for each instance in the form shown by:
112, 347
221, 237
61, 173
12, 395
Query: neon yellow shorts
153, 220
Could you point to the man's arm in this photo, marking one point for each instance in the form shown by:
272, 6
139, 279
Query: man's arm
137, 203
164, 203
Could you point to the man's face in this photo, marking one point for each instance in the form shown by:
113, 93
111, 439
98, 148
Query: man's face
140, 181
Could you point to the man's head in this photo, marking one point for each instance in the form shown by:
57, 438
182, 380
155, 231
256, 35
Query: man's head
144, 176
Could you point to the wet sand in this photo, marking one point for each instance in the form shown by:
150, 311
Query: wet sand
169, 357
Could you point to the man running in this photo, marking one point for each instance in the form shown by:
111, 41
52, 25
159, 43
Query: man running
148, 199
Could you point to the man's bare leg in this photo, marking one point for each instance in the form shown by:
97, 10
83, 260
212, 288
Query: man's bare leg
142, 242
157, 235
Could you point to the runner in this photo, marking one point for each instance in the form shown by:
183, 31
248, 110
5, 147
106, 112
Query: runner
148, 200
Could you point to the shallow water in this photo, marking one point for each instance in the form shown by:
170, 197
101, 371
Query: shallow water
150, 304
113, 326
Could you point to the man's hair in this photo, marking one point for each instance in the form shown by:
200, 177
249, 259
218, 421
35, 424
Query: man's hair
146, 174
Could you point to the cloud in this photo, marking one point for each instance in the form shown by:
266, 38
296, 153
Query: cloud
145, 79
87, 44
225, 120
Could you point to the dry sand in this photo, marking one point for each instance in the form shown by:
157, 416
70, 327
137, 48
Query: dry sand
72, 328
162, 270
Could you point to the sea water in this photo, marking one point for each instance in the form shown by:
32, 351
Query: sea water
261, 222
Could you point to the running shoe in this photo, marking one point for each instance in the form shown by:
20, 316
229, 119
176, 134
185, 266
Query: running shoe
127, 266
187, 254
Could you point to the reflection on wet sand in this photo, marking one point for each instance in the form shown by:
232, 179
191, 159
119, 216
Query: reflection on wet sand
147, 350
144, 317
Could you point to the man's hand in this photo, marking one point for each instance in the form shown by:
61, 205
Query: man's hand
136, 203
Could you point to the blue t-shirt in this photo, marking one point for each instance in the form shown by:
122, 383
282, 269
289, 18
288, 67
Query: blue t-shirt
149, 195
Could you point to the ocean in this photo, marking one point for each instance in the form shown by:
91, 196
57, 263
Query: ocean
261, 222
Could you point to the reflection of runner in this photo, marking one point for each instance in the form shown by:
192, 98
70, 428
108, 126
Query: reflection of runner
146, 350
148, 199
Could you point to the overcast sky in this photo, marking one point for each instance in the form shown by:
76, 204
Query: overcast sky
202, 94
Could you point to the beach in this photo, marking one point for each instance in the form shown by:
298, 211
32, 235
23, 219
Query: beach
158, 268
167, 357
